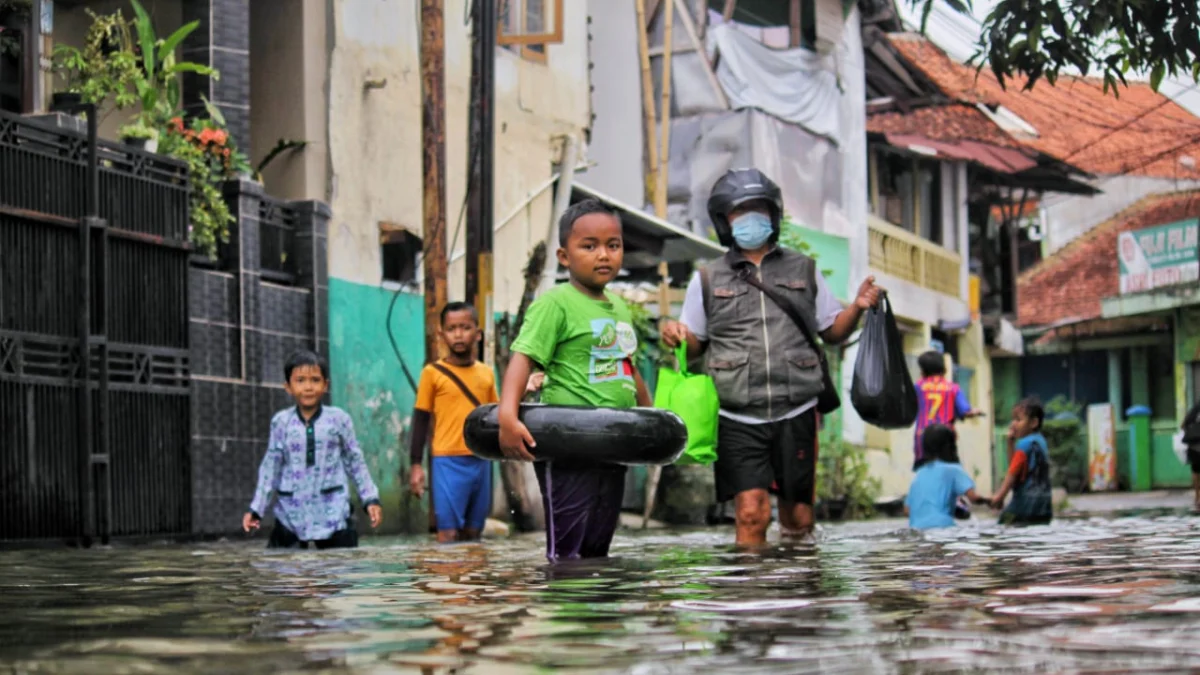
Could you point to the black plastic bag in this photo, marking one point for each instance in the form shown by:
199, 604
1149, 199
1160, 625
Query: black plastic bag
883, 391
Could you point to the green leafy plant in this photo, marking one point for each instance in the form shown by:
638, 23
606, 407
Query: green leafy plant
844, 474
160, 89
1066, 436
791, 235
137, 129
105, 71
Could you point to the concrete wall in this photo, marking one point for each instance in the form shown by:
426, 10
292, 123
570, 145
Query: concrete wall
289, 68
618, 140
375, 175
1065, 217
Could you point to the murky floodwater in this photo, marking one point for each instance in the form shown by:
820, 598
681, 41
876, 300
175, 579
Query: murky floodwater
1099, 595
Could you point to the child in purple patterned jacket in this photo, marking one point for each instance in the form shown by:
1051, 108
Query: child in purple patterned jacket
312, 448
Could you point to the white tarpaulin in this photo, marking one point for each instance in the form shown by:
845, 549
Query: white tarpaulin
808, 168
795, 85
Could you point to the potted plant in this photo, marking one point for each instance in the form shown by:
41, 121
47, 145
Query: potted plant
104, 71
138, 135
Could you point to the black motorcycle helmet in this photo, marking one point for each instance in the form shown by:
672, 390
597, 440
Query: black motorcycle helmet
737, 187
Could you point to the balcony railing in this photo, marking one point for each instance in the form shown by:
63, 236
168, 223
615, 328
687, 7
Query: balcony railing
906, 256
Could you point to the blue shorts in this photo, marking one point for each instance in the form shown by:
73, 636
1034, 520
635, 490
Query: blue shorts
462, 492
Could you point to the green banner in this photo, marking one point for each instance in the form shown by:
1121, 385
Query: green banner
1154, 257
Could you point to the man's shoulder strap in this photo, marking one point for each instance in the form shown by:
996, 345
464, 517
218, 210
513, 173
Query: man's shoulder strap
441, 368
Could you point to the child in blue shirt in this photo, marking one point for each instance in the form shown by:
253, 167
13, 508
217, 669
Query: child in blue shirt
1028, 469
939, 481
311, 449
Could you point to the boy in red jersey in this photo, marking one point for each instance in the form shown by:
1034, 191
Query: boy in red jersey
940, 401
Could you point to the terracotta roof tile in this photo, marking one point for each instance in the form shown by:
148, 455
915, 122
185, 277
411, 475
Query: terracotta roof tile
1141, 132
1070, 284
954, 122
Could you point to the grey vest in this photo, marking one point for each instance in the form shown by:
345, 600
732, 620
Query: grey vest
760, 361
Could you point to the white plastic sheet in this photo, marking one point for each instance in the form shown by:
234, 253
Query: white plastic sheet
795, 85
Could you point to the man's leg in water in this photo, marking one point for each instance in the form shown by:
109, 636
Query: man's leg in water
744, 473
752, 513
794, 457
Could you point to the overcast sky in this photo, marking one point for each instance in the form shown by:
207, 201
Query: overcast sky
957, 34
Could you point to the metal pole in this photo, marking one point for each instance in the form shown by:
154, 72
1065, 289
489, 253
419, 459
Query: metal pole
433, 140
474, 133
487, 170
85, 329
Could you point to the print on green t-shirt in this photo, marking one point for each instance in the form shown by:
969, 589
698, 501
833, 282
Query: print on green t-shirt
585, 346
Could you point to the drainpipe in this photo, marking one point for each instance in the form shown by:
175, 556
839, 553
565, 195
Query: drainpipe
562, 199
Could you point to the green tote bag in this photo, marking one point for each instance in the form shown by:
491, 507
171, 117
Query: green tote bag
694, 398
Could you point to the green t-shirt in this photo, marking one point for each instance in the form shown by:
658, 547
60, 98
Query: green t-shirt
586, 347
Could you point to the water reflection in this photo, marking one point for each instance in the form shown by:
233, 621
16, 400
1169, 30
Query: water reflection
1094, 594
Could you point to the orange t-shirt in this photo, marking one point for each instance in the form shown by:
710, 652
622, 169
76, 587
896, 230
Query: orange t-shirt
439, 396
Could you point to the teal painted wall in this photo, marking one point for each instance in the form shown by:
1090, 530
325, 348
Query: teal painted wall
833, 258
1166, 471
368, 383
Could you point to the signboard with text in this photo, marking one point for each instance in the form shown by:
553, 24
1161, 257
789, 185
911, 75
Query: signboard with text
1160, 256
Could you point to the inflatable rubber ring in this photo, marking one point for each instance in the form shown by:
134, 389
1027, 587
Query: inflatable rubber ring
614, 435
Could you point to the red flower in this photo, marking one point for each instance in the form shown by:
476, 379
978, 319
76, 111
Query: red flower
177, 123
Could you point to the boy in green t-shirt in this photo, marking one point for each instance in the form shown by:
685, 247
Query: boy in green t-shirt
582, 337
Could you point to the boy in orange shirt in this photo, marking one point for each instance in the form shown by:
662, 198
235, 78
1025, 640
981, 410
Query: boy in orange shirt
449, 390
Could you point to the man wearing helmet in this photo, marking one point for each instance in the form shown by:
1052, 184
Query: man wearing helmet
767, 373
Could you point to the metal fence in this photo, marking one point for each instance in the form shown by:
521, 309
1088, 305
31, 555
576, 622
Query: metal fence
132, 474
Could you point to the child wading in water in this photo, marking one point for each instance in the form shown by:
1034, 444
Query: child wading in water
450, 389
939, 482
1029, 469
312, 448
939, 401
582, 337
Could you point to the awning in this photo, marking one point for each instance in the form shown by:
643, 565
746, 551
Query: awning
994, 157
650, 240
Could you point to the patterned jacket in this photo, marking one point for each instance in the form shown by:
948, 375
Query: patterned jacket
306, 467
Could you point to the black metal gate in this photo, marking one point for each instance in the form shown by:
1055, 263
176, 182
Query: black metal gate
119, 465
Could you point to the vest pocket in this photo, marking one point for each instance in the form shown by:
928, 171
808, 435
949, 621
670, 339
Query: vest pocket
728, 304
805, 380
731, 374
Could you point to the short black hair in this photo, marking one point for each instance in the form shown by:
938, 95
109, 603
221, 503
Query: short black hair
939, 441
301, 358
932, 363
578, 210
1033, 407
459, 306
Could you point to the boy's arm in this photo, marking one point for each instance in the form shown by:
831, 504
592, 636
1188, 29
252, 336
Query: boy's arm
356, 465
421, 423
643, 392
268, 473
1010, 479
514, 437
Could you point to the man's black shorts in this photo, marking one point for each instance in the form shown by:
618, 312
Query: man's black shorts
775, 456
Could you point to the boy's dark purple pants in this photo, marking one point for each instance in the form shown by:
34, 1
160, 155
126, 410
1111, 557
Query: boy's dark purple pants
583, 507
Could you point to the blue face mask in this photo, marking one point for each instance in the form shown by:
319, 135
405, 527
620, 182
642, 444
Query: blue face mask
752, 230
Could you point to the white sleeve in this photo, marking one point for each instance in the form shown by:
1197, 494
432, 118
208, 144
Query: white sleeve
828, 306
693, 315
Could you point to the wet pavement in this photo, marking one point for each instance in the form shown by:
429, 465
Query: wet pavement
1094, 594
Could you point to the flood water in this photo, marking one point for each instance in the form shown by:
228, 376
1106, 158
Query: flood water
1094, 595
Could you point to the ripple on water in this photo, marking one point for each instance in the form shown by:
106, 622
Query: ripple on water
1088, 595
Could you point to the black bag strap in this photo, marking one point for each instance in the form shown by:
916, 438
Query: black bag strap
461, 385
745, 275
705, 288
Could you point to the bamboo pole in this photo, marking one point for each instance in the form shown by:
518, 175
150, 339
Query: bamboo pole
647, 101
660, 190
693, 34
